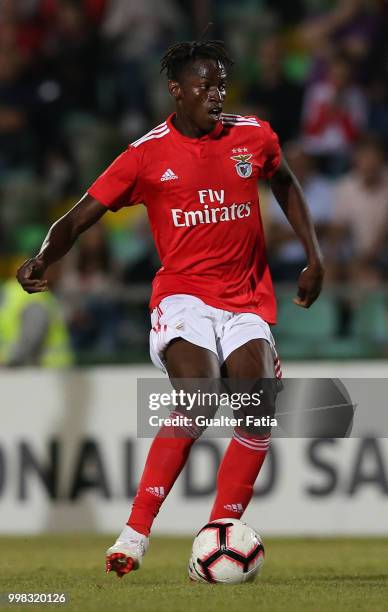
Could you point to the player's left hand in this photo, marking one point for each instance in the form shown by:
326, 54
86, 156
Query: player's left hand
309, 285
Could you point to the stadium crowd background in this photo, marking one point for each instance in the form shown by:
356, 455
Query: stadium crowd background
79, 80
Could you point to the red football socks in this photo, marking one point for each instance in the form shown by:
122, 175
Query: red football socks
237, 473
166, 458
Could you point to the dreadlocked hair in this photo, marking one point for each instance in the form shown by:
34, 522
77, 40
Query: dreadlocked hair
179, 55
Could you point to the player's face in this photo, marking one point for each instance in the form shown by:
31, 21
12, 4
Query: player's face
202, 93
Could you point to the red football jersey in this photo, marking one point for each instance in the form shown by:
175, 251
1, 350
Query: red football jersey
202, 201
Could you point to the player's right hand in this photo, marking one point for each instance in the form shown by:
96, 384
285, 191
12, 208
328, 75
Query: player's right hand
30, 275
309, 285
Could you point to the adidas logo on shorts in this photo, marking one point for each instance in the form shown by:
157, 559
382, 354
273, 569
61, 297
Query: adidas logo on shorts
234, 507
157, 491
168, 175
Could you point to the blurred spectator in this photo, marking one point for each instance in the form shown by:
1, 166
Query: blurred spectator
289, 13
16, 112
351, 27
136, 33
200, 14
378, 105
92, 9
21, 29
273, 96
94, 268
143, 262
89, 285
242, 24
360, 225
287, 257
32, 327
334, 115
71, 50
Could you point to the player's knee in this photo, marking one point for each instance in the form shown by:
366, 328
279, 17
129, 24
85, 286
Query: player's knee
253, 402
257, 418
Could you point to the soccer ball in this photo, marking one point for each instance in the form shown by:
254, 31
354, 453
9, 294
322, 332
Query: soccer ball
226, 551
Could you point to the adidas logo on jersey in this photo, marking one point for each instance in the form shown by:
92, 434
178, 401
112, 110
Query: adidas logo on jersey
168, 175
234, 508
157, 491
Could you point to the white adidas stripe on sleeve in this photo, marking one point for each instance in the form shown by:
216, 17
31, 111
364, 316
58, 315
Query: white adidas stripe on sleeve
159, 129
151, 137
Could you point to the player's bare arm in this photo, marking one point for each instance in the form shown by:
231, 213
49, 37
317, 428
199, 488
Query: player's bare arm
59, 240
288, 193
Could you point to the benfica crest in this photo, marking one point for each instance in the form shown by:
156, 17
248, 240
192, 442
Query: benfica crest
243, 166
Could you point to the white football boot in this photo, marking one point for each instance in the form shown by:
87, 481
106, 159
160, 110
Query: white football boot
127, 552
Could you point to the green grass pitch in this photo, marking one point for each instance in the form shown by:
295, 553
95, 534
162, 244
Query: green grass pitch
298, 574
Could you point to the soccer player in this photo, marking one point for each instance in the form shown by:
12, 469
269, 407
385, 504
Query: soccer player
212, 299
